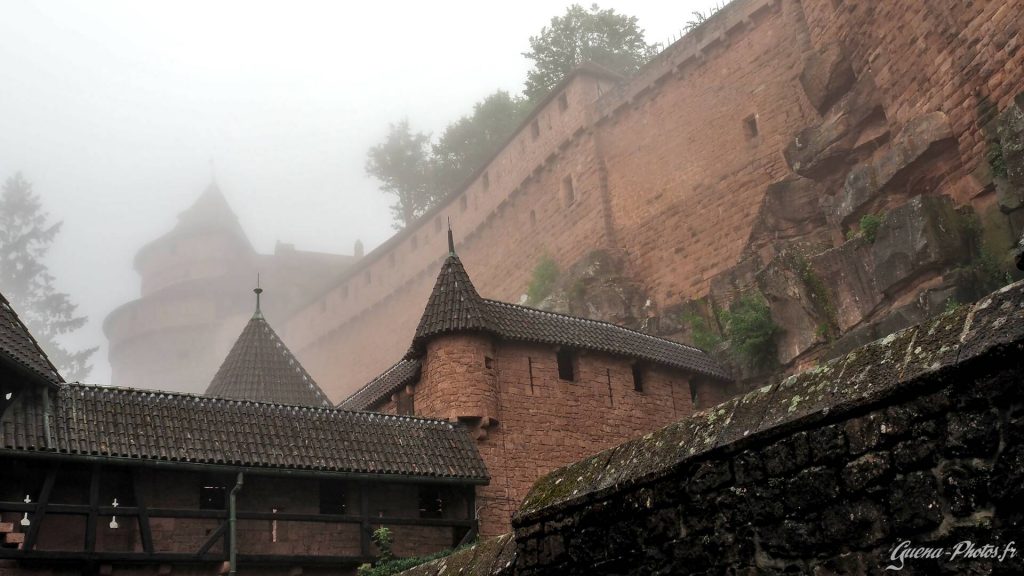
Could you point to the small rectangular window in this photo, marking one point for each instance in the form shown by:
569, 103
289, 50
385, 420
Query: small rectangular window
333, 497
638, 378
563, 102
565, 367
568, 192
750, 126
431, 502
535, 129
369, 277
533, 218
213, 498
486, 181
488, 362
463, 203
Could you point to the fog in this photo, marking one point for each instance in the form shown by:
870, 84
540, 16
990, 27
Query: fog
115, 112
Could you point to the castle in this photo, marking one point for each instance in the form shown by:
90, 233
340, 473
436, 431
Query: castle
178, 332
740, 160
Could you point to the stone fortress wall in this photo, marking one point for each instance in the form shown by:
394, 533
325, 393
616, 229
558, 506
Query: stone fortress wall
778, 123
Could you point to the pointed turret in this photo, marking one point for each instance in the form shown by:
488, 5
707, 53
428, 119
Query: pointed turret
260, 367
454, 304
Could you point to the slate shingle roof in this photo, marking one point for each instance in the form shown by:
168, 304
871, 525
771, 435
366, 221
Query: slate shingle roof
19, 348
455, 306
260, 367
403, 373
149, 425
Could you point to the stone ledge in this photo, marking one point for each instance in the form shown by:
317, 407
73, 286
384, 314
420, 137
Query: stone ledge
886, 368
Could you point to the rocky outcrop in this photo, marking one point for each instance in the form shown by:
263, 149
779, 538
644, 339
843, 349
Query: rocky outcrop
848, 130
922, 139
826, 77
924, 234
597, 287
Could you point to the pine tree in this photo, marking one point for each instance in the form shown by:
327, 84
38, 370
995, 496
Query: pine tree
25, 238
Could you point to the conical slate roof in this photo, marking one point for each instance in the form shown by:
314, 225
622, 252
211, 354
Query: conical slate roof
260, 368
453, 306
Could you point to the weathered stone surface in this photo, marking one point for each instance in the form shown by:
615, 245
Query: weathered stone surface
924, 137
1010, 130
790, 209
924, 234
826, 149
826, 76
920, 430
792, 306
848, 274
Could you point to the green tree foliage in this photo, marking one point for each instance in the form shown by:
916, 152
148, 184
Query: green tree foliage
25, 238
471, 140
604, 37
545, 274
402, 164
751, 330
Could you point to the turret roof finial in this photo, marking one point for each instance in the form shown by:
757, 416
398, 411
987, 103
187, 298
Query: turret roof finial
258, 291
451, 241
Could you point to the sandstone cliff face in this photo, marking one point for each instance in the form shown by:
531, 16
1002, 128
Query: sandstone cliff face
864, 238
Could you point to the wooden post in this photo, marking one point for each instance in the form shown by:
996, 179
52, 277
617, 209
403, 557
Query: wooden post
140, 501
94, 509
40, 513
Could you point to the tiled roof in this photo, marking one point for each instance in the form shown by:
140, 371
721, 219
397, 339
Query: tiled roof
148, 425
531, 325
260, 367
455, 306
395, 378
18, 347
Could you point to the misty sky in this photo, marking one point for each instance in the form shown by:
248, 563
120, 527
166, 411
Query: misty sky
113, 110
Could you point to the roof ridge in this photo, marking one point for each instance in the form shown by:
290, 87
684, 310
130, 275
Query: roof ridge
602, 322
304, 407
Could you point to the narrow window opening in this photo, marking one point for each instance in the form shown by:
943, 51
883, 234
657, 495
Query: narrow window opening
212, 498
533, 218
488, 362
563, 102
568, 192
463, 203
369, 277
431, 502
529, 366
750, 126
535, 129
638, 378
486, 181
333, 497
693, 394
565, 367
